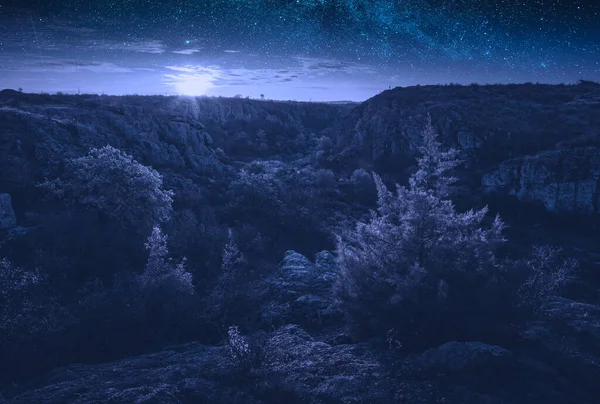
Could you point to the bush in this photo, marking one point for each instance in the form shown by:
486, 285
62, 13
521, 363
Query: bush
28, 317
235, 292
116, 186
363, 187
228, 290
139, 312
549, 272
247, 353
161, 273
418, 266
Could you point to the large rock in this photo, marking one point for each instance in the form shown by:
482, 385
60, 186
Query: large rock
295, 369
322, 373
566, 340
7, 215
302, 291
566, 180
182, 374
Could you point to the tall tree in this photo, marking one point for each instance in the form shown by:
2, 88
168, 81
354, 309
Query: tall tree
417, 262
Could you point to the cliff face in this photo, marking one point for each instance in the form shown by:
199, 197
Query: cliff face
508, 135
566, 180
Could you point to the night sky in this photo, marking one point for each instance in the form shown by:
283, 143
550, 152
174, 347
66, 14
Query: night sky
292, 49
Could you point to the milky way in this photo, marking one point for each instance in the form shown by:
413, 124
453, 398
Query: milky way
323, 48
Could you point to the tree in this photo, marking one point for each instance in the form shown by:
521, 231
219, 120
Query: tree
161, 272
549, 272
418, 266
229, 289
116, 186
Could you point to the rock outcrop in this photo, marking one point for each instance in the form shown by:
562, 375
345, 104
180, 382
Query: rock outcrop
166, 132
510, 132
565, 180
567, 339
491, 125
296, 369
302, 291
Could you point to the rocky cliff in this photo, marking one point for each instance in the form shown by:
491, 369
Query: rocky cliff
565, 180
536, 142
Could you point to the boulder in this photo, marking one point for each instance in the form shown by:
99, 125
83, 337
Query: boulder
321, 373
566, 341
302, 291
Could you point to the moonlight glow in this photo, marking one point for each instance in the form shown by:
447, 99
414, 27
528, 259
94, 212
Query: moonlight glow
304, 49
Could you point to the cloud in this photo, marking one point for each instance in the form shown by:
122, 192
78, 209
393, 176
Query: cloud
317, 87
152, 46
320, 66
297, 72
192, 80
57, 65
74, 30
186, 51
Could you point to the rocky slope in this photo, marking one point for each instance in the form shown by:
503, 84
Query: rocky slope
555, 362
536, 142
184, 138
530, 142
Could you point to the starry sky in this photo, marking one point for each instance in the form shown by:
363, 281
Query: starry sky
320, 50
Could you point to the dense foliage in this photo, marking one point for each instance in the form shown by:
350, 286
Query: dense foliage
135, 249
418, 266
116, 186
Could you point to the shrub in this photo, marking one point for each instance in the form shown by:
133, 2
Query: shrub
116, 186
247, 353
142, 311
15, 308
418, 266
28, 316
549, 272
161, 272
228, 298
363, 187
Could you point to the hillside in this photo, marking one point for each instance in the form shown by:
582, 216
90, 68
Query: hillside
537, 142
99, 304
